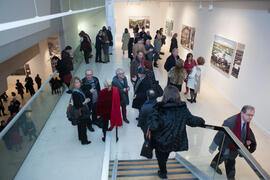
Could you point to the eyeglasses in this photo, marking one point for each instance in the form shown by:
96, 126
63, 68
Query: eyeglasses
249, 115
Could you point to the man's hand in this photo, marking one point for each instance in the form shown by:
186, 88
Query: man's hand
134, 97
248, 142
148, 134
211, 151
92, 90
87, 100
125, 89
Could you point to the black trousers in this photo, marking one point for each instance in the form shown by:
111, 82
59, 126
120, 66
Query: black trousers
162, 158
229, 165
179, 87
82, 130
94, 112
105, 127
98, 54
86, 56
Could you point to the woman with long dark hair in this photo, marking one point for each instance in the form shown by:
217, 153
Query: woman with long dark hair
167, 127
188, 65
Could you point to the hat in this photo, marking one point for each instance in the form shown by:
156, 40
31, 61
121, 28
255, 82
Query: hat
141, 70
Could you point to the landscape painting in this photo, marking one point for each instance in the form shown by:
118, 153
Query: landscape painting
223, 54
141, 21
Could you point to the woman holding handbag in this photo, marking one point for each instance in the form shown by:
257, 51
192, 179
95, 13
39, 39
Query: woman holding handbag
80, 103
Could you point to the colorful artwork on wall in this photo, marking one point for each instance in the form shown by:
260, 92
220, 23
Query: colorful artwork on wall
188, 37
142, 21
238, 60
169, 27
223, 54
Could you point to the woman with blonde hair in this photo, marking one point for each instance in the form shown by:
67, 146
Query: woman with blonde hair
178, 74
80, 102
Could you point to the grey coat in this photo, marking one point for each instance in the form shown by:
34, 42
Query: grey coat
117, 83
230, 123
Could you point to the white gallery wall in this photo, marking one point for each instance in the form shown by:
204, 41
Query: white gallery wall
245, 25
243, 22
123, 10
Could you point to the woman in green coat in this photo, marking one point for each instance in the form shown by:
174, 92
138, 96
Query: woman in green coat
125, 39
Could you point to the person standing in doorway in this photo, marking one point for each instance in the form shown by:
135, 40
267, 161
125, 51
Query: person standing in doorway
91, 88
120, 81
38, 81
20, 88
239, 124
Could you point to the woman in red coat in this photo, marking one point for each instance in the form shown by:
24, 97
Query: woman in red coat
108, 108
188, 65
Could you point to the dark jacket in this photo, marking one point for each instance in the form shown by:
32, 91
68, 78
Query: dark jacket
149, 55
230, 123
78, 100
168, 126
173, 44
134, 67
130, 48
170, 62
19, 88
110, 37
124, 95
86, 86
98, 42
144, 114
63, 67
86, 46
140, 92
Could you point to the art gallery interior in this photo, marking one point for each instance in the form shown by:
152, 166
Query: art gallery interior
232, 36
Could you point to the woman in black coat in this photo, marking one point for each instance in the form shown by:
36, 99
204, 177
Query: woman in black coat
174, 42
167, 127
80, 103
86, 48
98, 46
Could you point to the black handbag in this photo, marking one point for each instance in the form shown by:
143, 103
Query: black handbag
99, 122
147, 150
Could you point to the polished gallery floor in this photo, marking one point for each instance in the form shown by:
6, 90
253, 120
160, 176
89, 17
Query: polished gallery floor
58, 154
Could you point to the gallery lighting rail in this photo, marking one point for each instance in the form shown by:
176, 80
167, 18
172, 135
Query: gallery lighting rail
38, 19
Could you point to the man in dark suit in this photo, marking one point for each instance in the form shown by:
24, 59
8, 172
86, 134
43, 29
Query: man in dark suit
239, 124
120, 81
141, 86
170, 62
91, 88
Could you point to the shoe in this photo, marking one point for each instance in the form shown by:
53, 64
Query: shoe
194, 100
186, 93
162, 176
117, 139
162, 53
69, 92
91, 129
137, 118
159, 58
103, 139
86, 142
217, 169
190, 100
127, 121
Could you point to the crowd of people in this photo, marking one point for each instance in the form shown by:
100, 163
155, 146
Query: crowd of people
14, 104
163, 123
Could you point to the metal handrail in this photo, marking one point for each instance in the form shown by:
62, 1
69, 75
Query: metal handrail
12, 122
253, 163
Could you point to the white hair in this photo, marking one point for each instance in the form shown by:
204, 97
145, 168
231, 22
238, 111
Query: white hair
119, 71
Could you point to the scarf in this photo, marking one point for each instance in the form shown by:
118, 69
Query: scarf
116, 119
238, 131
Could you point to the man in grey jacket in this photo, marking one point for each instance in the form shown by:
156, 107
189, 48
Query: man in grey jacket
239, 125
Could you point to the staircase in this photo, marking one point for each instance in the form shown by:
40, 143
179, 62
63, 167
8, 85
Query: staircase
147, 170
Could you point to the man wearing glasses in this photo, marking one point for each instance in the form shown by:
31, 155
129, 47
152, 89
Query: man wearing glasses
239, 124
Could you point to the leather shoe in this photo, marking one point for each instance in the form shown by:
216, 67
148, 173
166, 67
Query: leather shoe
162, 176
91, 129
127, 121
190, 100
86, 142
217, 169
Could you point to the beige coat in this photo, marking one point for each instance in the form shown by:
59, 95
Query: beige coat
125, 39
